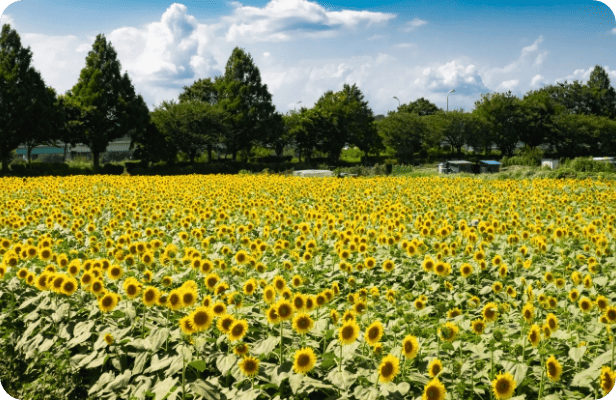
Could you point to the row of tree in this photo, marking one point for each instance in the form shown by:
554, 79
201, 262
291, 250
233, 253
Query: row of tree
234, 113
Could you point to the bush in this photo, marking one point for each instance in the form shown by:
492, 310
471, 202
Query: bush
50, 158
116, 156
18, 167
111, 169
583, 164
526, 156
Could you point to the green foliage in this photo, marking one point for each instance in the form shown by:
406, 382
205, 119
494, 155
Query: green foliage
526, 156
403, 132
582, 164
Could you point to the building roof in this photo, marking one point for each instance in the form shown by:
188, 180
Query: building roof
459, 162
490, 162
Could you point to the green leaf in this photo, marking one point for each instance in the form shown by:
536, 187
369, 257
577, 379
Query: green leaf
295, 380
158, 364
224, 363
81, 333
120, 381
209, 389
162, 388
199, 365
158, 338
577, 353
176, 365
342, 379
140, 361
266, 346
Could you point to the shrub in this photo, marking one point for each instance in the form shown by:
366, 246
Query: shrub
525, 156
584, 164
111, 169
50, 158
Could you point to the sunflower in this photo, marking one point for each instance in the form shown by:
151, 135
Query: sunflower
188, 296
552, 321
389, 368
497, 287
574, 294
534, 336
454, 312
219, 308
554, 369
284, 309
224, 323
108, 338
528, 312
410, 347
607, 379
349, 332
241, 349
478, 326
448, 332
299, 301
186, 325
610, 314
419, 304
434, 390
237, 330
305, 359
297, 281
250, 286
435, 367
249, 366
602, 302
374, 333
360, 307
150, 296
490, 312
115, 272
466, 270
108, 302
269, 294
69, 286
174, 301
302, 323
41, 281
504, 385
388, 265
201, 318
279, 283
585, 304
211, 280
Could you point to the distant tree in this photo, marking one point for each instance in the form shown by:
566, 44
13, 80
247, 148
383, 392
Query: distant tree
201, 90
480, 135
278, 135
505, 113
360, 119
604, 94
421, 107
451, 128
538, 108
20, 89
404, 133
246, 100
41, 116
300, 126
114, 109
576, 135
379, 117
330, 118
151, 145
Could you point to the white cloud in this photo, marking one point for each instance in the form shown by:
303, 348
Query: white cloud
533, 47
415, 23
285, 20
404, 45
583, 75
7, 19
267, 54
613, 31
507, 85
540, 58
536, 81
377, 36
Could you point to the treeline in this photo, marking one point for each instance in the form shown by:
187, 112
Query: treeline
233, 114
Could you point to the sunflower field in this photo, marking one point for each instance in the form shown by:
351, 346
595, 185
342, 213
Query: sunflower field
274, 287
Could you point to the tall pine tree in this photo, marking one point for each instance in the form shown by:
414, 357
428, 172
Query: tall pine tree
246, 100
114, 109
23, 96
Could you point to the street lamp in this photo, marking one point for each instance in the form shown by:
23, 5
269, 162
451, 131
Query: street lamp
452, 90
398, 100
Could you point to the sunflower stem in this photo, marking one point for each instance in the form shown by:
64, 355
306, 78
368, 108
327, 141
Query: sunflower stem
281, 342
340, 364
612, 352
143, 319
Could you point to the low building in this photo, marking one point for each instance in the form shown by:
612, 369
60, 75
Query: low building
611, 160
119, 145
458, 166
486, 166
550, 162
313, 173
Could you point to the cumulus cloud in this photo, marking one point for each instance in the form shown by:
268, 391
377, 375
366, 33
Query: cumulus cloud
507, 85
285, 20
7, 19
537, 81
412, 25
583, 75
404, 45
613, 31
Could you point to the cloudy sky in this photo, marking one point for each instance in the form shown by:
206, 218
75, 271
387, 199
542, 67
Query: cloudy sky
408, 49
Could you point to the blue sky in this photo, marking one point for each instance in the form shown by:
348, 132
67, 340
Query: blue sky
389, 48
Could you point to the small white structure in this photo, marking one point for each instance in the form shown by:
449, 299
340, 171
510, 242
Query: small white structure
550, 162
313, 173
611, 160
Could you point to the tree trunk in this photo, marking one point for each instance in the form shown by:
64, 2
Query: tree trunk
64, 154
234, 157
95, 160
29, 156
209, 153
4, 165
192, 155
